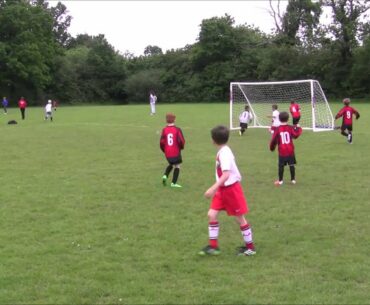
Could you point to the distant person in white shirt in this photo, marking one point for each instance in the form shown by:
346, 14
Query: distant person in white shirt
244, 119
275, 118
49, 111
152, 101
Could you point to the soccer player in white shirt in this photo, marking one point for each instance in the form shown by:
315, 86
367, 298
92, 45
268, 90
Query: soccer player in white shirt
152, 101
227, 194
244, 119
275, 118
49, 111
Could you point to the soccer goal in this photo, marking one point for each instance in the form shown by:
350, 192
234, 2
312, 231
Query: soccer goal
260, 96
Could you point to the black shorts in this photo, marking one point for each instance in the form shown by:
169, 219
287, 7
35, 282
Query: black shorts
344, 127
296, 120
287, 161
175, 160
243, 125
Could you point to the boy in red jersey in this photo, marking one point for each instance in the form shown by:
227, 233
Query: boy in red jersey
347, 112
227, 195
22, 104
171, 143
283, 138
295, 111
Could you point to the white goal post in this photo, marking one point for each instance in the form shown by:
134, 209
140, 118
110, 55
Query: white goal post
260, 96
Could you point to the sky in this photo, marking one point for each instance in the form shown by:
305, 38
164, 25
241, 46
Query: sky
130, 26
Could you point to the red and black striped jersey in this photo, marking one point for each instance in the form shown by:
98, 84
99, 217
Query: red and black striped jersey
283, 138
347, 113
172, 141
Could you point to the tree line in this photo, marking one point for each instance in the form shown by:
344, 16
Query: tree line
40, 60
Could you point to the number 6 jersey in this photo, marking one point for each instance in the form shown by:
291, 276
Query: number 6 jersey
172, 141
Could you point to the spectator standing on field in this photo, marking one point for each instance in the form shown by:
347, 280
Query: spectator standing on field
5, 104
49, 111
152, 101
22, 104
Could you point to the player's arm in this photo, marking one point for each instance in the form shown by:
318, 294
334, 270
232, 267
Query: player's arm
221, 181
356, 113
180, 139
296, 132
274, 141
339, 114
162, 142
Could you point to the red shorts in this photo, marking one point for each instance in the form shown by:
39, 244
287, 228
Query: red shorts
231, 199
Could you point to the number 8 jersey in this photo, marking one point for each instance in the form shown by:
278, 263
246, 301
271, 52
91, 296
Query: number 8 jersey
283, 137
172, 141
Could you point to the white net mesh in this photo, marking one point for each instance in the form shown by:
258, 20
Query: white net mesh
315, 110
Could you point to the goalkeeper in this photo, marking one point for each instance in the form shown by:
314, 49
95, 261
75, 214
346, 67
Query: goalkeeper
244, 119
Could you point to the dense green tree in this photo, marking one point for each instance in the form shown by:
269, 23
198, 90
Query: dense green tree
216, 42
152, 50
91, 71
28, 49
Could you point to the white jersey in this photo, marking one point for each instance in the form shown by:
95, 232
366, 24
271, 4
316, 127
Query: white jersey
225, 161
275, 118
152, 98
48, 107
245, 117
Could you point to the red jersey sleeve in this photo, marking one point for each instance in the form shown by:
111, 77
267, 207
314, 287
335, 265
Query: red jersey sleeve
274, 141
339, 114
296, 132
180, 139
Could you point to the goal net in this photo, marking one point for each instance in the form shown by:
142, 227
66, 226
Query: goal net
260, 96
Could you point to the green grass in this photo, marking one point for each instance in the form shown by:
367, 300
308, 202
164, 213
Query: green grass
85, 219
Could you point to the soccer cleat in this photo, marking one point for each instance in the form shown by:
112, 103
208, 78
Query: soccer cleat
175, 185
208, 250
293, 182
349, 138
244, 251
164, 180
278, 183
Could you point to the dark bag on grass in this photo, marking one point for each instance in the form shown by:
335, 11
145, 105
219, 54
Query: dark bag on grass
11, 122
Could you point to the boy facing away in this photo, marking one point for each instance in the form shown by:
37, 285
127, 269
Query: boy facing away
171, 143
226, 194
347, 113
49, 111
283, 138
295, 111
244, 119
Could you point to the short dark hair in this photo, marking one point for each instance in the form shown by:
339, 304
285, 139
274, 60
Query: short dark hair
275, 106
284, 116
292, 101
220, 134
246, 108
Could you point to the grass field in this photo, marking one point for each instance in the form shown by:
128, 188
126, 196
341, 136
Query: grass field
85, 219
